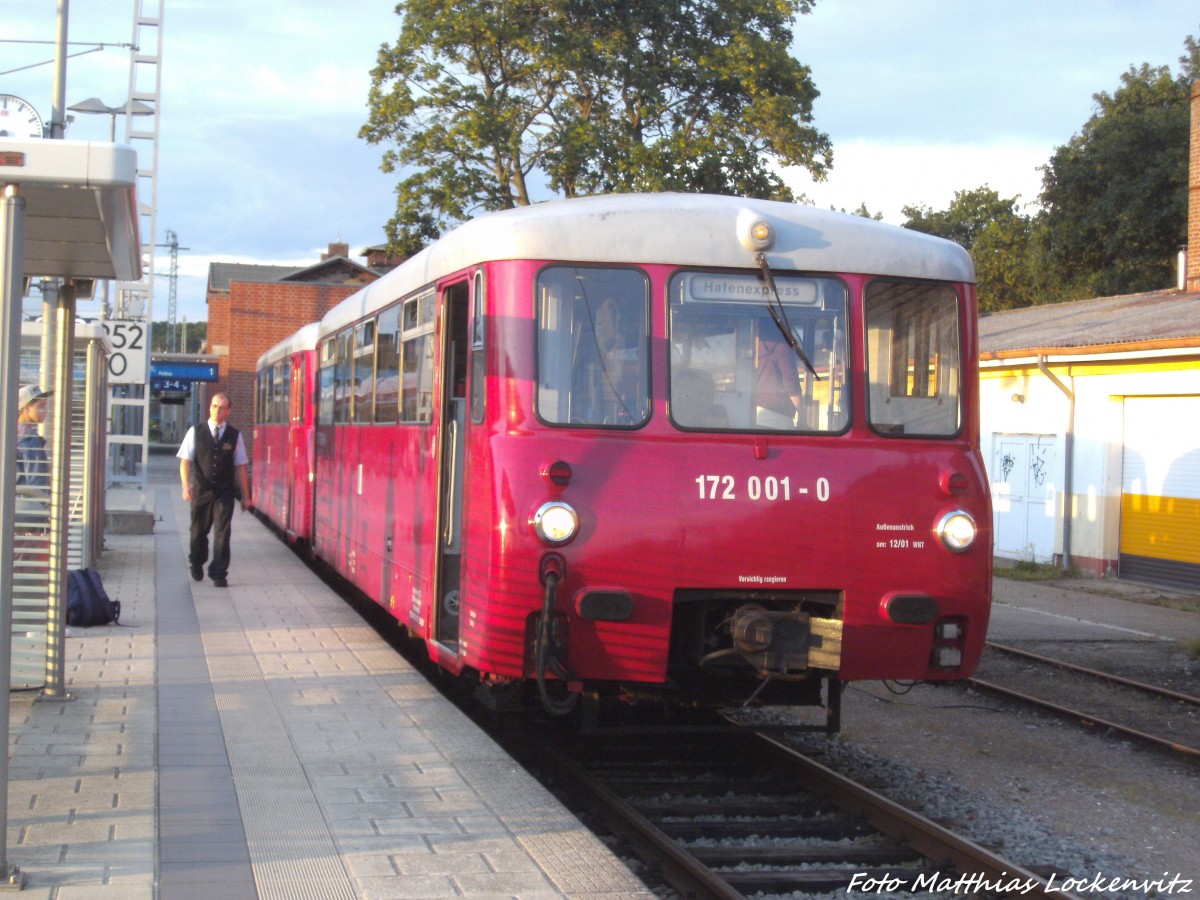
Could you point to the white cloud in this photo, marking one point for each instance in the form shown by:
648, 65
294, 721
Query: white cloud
889, 176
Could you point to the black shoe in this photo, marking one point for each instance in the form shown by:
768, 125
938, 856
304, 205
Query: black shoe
220, 582
197, 573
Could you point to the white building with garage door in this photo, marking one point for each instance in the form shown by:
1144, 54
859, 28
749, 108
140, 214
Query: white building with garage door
1090, 424
1091, 433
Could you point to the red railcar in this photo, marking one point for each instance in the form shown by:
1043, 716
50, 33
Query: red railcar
663, 448
284, 418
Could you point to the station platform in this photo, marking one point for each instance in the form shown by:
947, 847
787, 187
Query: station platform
262, 741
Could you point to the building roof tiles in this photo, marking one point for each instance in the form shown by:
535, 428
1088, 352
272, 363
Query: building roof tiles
1169, 318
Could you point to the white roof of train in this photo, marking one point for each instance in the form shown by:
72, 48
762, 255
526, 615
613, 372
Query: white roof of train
673, 229
304, 339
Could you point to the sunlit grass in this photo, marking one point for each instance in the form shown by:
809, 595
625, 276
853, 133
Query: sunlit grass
1024, 570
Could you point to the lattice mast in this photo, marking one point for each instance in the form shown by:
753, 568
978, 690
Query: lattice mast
129, 435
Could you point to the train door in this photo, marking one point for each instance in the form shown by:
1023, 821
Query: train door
295, 389
296, 457
452, 464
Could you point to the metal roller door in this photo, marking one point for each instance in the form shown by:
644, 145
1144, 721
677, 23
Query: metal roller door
1160, 491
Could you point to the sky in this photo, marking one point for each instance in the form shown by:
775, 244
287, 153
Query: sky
259, 159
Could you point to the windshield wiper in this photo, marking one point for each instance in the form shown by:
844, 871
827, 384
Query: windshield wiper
779, 314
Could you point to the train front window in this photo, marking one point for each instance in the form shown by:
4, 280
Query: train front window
732, 367
592, 347
914, 360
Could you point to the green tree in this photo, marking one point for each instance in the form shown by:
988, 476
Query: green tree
1115, 196
861, 211
484, 104
1189, 63
1005, 274
998, 236
966, 216
164, 340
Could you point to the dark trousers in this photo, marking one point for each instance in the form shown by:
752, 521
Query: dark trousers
211, 512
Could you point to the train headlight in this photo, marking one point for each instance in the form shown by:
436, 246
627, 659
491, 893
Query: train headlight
556, 523
957, 531
754, 232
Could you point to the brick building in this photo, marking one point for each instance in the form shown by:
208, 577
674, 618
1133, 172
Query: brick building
253, 307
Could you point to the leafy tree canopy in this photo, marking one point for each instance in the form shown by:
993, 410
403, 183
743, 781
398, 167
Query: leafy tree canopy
165, 339
966, 216
997, 234
1115, 196
483, 104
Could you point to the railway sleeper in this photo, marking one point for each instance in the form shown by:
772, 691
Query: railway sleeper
687, 807
835, 829
802, 855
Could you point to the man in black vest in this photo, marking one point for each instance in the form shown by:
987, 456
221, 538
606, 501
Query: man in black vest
212, 460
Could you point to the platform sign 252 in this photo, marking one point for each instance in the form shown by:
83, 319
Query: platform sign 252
130, 351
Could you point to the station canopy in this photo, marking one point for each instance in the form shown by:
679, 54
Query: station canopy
81, 210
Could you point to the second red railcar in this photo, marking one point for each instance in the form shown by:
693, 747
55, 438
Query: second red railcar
283, 462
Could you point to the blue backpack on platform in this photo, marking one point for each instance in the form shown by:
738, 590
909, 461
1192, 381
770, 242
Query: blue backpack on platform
88, 603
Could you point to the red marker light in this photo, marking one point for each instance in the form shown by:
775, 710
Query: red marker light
954, 483
558, 473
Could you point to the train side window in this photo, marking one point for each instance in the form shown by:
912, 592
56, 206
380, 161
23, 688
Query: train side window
278, 383
285, 412
267, 410
342, 390
267, 386
417, 358
416, 393
364, 372
387, 366
260, 381
914, 359
593, 357
327, 386
296, 376
478, 356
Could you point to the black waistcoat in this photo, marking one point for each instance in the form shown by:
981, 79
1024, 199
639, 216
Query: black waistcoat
213, 465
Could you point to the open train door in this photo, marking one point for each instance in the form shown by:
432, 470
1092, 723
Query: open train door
452, 425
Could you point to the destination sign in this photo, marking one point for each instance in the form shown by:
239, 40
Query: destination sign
751, 289
184, 371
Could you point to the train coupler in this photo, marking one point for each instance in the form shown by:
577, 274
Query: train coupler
781, 643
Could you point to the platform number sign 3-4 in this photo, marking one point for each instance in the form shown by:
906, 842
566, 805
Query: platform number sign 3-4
127, 364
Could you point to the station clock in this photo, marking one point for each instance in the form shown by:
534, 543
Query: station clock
18, 118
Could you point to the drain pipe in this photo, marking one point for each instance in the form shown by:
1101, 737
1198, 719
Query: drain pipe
1068, 462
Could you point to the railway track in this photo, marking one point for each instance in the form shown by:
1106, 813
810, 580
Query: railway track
1165, 719
736, 813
